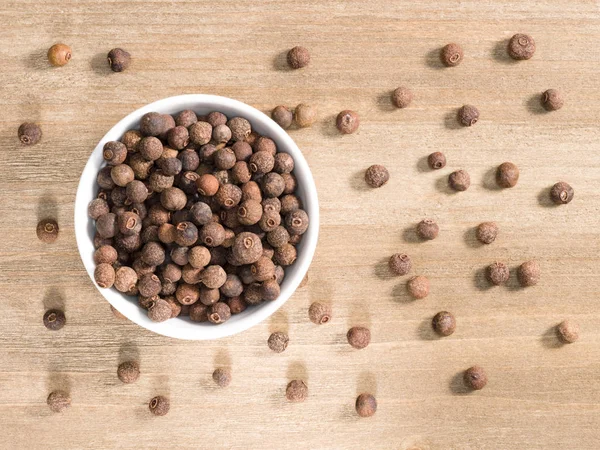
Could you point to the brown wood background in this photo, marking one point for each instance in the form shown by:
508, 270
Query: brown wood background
540, 395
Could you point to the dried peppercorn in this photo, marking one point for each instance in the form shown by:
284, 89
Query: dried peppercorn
377, 175
278, 237
104, 179
521, 46
228, 196
475, 378
104, 274
149, 285
296, 391
153, 254
418, 287
247, 248
212, 234
298, 57
171, 272
118, 60
198, 257
200, 133
129, 223
297, 222
224, 158
173, 199
232, 287
59, 54
219, 313
122, 174
459, 180
261, 162
242, 151
452, 55
160, 311
400, 264
209, 296
497, 273
198, 312
529, 273
105, 254
552, 100
486, 232
285, 255
282, 116
222, 377
253, 294
178, 137
236, 304
136, 191
29, 133
305, 115
436, 160
47, 231
444, 323
208, 185
366, 405
216, 118
263, 269
128, 372
278, 341
359, 337
290, 203
270, 290
58, 401
139, 165
200, 213
568, 331
187, 294
118, 196
347, 121
213, 277
402, 97
159, 405
289, 182
157, 215
186, 118
507, 175
427, 229
468, 115
131, 139
251, 191
240, 128
562, 193
190, 160
125, 279
150, 148
221, 134
54, 319
106, 226
273, 185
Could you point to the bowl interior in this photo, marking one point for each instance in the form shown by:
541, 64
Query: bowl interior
182, 327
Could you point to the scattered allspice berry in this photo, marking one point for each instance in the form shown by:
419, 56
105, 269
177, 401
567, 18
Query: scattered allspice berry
59, 54
305, 115
497, 273
468, 115
436, 161
359, 337
444, 323
282, 116
562, 193
29, 133
400, 264
54, 319
521, 46
319, 313
402, 97
452, 55
159, 405
278, 341
377, 175
459, 180
552, 100
118, 59
47, 230
58, 401
486, 232
347, 122
568, 331
418, 287
128, 371
366, 405
507, 175
296, 391
222, 377
427, 229
298, 57
475, 378
528, 273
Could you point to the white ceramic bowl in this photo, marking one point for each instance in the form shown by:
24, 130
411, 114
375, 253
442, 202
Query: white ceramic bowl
183, 328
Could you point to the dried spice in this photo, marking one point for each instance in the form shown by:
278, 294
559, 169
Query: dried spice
282, 116
507, 175
427, 229
452, 55
552, 100
222, 377
298, 57
47, 231
359, 337
444, 323
319, 313
497, 273
418, 287
486, 232
562, 193
468, 115
118, 60
59, 54
159, 406
459, 180
400, 264
278, 341
402, 97
475, 378
366, 405
29, 133
296, 391
128, 372
436, 160
347, 122
58, 401
529, 273
305, 115
521, 46
568, 331
377, 175
54, 319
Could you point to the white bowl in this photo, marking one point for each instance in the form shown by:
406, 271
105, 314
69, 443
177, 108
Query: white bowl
183, 328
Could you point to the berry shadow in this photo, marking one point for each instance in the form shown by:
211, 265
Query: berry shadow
425, 331
409, 234
480, 280
401, 295
550, 339
534, 105
328, 127
129, 352
280, 62
297, 371
500, 53
470, 238
433, 60
423, 165
366, 383
54, 298
513, 280
457, 385
38, 60
57, 381
358, 183
47, 207
384, 102
99, 64
279, 322
451, 120
545, 200
441, 184
382, 269
489, 180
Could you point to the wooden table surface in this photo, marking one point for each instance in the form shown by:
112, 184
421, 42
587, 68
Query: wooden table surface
540, 395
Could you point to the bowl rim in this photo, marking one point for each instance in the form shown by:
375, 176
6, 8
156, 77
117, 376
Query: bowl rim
190, 330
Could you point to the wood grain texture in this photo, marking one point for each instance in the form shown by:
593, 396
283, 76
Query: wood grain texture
540, 395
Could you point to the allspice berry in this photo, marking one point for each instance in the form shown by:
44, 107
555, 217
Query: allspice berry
282, 116
486, 232
475, 378
468, 115
319, 313
497, 273
219, 313
359, 337
402, 97
377, 175
521, 46
459, 180
222, 377
305, 115
247, 248
552, 100
296, 391
568, 331
529, 273
507, 175
118, 59
298, 57
160, 311
427, 229
444, 323
366, 405
104, 274
207, 184
58, 401
125, 279
128, 372
452, 55
240, 128
29, 133
347, 122
47, 231
562, 193
59, 54
54, 319
159, 405
278, 341
400, 264
418, 287
436, 160
200, 133
213, 277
